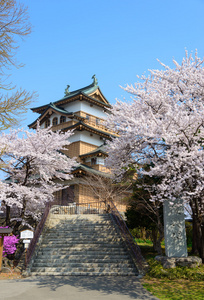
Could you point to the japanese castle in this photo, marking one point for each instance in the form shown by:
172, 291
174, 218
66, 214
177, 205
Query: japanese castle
83, 110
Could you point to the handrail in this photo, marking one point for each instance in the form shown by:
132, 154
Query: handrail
129, 240
37, 234
80, 208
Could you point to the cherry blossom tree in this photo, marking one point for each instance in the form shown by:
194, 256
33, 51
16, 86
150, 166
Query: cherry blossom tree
36, 168
163, 125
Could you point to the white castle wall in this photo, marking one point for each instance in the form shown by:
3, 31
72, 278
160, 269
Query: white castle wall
85, 107
85, 137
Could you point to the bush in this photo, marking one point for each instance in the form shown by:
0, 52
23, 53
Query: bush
9, 244
157, 271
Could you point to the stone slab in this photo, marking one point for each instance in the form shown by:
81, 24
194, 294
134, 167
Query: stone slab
190, 262
174, 229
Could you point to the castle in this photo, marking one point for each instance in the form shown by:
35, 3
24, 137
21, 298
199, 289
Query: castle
83, 110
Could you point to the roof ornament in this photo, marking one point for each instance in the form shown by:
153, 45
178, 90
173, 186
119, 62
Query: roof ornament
66, 92
95, 81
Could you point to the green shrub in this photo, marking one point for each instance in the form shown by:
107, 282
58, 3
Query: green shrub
157, 271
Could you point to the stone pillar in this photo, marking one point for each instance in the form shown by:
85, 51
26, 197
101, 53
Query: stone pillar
174, 229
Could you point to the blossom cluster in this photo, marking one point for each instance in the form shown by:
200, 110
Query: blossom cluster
163, 125
36, 167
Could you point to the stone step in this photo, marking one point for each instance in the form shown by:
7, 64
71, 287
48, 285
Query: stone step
85, 216
77, 221
106, 260
64, 234
71, 243
82, 256
82, 265
80, 223
89, 244
82, 238
84, 245
82, 229
83, 269
81, 252
102, 273
77, 218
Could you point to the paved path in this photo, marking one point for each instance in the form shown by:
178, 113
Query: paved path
73, 288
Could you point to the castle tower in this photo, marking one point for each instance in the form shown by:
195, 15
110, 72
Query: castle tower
83, 110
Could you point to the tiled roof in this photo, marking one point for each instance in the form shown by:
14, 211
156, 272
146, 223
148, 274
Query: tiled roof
100, 149
90, 128
86, 91
91, 170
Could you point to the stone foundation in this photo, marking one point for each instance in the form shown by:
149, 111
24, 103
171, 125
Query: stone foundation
172, 262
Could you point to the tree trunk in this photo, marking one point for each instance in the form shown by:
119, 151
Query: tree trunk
23, 208
198, 232
154, 238
157, 237
8, 215
143, 233
195, 238
202, 243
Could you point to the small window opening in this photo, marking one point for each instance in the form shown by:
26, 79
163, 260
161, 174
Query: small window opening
47, 123
93, 161
62, 119
54, 121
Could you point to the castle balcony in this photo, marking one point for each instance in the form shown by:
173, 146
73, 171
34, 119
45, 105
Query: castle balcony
63, 125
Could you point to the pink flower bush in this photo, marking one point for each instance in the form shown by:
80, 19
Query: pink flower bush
9, 244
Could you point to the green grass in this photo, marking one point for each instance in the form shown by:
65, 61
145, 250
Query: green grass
175, 290
180, 283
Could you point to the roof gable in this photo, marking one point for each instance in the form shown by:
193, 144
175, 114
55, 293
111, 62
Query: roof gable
49, 110
90, 93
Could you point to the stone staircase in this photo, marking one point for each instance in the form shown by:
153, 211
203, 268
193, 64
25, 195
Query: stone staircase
82, 245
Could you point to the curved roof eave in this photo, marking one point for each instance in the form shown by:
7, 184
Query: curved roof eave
90, 170
56, 109
100, 149
80, 123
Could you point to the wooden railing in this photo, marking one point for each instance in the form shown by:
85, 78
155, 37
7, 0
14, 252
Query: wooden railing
37, 234
93, 123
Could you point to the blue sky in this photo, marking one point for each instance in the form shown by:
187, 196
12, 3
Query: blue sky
114, 39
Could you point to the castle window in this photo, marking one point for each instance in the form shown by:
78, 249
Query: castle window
87, 117
97, 121
47, 123
62, 119
54, 121
93, 161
